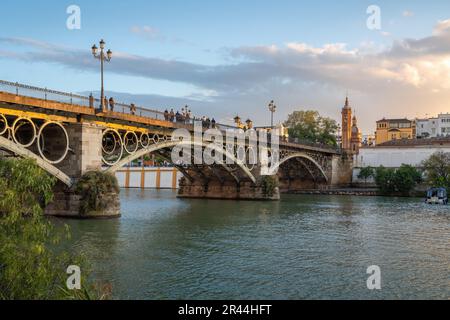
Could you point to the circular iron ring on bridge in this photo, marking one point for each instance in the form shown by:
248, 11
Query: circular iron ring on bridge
130, 139
155, 138
252, 158
3, 124
111, 142
52, 125
18, 127
144, 140
239, 153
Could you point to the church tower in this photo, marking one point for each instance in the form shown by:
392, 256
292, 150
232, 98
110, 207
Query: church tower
356, 137
346, 127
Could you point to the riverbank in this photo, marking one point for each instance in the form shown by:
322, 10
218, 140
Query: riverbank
359, 192
339, 192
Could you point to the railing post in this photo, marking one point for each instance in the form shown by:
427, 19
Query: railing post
45, 94
17, 88
71, 98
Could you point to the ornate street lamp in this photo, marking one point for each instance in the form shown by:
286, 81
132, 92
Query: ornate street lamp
272, 109
102, 57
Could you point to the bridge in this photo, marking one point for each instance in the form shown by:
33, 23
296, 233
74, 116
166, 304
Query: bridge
68, 136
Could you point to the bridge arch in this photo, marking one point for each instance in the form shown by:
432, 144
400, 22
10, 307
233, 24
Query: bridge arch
25, 153
170, 144
301, 155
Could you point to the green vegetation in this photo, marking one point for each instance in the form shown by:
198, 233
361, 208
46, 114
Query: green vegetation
29, 268
93, 188
311, 127
269, 185
437, 170
397, 181
366, 173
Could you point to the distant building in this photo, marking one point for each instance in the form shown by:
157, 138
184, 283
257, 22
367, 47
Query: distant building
394, 129
368, 140
351, 136
394, 153
434, 127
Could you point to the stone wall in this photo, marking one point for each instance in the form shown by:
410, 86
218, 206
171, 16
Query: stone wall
342, 171
67, 204
85, 141
228, 190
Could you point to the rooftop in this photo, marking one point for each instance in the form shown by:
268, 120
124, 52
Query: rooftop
417, 142
395, 120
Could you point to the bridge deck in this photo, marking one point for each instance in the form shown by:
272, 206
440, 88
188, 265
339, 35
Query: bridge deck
27, 100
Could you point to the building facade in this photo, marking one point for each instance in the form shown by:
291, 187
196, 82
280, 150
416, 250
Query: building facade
434, 127
351, 136
394, 129
395, 153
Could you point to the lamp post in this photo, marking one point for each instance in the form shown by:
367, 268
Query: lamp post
102, 57
272, 109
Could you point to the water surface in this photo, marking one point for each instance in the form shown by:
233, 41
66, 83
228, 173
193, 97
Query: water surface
303, 247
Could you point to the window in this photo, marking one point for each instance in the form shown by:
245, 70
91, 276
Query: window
393, 125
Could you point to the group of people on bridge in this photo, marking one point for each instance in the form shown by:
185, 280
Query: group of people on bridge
185, 117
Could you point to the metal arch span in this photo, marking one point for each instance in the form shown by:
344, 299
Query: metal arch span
25, 153
303, 156
171, 144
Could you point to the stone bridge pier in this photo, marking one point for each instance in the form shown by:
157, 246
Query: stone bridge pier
84, 155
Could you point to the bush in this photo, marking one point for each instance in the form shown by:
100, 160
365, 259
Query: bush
366, 173
269, 185
93, 187
397, 181
29, 268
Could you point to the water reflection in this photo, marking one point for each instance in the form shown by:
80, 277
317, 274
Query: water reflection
301, 247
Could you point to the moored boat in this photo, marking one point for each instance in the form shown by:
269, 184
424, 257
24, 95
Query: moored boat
437, 196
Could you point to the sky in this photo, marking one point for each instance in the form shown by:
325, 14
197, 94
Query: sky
228, 57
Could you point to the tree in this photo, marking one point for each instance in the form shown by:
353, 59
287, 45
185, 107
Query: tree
397, 181
406, 179
437, 170
310, 126
29, 268
384, 179
366, 173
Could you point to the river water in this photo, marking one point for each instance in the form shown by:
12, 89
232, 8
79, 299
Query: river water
303, 247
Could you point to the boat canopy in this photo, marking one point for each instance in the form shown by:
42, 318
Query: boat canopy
437, 192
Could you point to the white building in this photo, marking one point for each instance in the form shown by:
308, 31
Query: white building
395, 153
434, 127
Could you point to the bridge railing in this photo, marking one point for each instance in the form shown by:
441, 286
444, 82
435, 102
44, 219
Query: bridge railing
312, 144
44, 93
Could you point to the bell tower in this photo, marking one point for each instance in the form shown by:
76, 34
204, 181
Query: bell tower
346, 126
356, 137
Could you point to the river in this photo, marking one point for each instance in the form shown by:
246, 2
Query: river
303, 247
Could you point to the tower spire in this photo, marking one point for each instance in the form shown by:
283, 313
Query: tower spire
347, 104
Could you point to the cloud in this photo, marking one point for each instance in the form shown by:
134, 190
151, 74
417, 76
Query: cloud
402, 79
408, 13
148, 33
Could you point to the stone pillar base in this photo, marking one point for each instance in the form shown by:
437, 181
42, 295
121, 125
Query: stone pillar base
66, 204
246, 191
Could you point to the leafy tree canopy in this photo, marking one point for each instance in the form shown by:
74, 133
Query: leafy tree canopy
437, 170
29, 267
309, 126
397, 181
